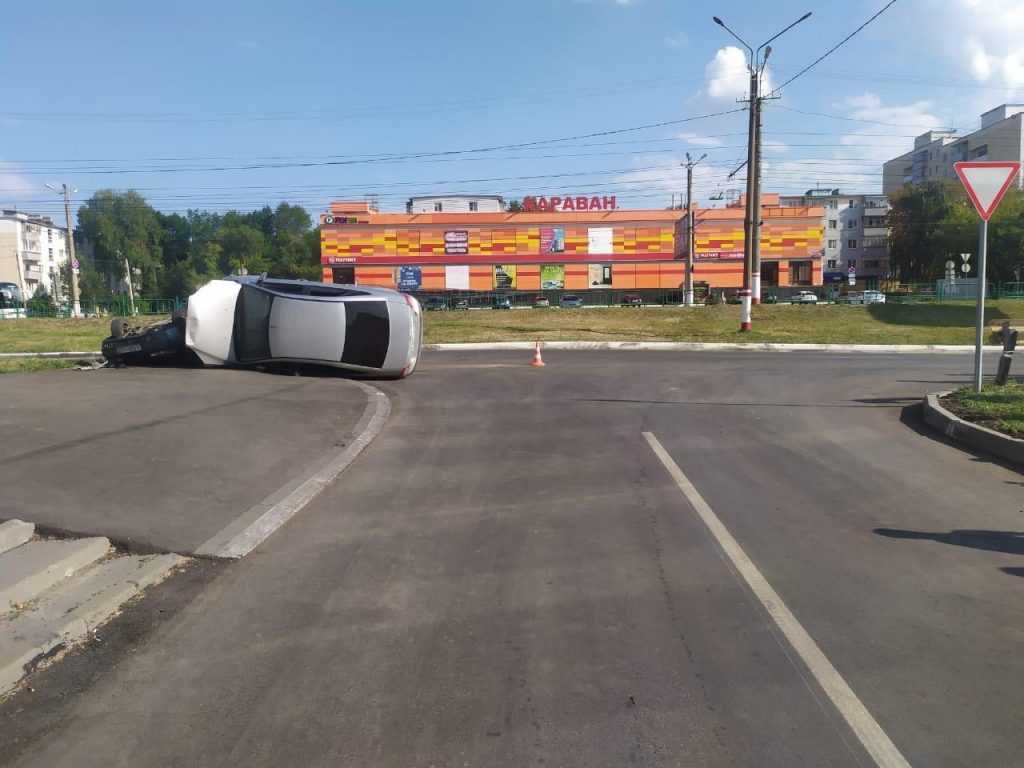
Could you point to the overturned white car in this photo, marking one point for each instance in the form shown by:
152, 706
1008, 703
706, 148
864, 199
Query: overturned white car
256, 320
248, 320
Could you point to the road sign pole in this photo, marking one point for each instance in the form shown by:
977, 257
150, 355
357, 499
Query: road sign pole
979, 330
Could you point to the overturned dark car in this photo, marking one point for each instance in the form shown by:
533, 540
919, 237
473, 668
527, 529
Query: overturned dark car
134, 344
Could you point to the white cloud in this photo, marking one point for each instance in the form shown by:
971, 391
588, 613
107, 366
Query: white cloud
728, 78
699, 141
631, 2
677, 40
14, 187
986, 35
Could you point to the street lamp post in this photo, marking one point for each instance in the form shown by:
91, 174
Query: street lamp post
751, 291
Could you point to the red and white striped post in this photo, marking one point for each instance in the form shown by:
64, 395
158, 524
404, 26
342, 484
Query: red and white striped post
745, 300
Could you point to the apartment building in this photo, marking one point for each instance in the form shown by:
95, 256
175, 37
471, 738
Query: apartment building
856, 233
32, 250
1001, 137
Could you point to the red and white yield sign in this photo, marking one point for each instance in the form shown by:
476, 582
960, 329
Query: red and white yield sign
986, 183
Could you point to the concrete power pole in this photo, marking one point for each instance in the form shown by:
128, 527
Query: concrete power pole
752, 215
690, 223
76, 309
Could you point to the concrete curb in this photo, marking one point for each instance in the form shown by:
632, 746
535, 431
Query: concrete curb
86, 356
696, 346
75, 613
256, 524
1005, 447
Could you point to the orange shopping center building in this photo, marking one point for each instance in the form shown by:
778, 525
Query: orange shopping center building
594, 246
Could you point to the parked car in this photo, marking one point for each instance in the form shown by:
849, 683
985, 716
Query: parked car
804, 297
246, 320
866, 297
435, 304
502, 302
570, 301
631, 300
460, 304
541, 301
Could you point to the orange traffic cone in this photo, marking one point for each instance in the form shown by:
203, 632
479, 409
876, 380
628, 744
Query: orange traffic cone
537, 360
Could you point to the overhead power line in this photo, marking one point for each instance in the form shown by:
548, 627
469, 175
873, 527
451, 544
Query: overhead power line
834, 48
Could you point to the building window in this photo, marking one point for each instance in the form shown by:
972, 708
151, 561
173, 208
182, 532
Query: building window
853, 203
832, 225
852, 264
833, 204
437, 207
51, 258
851, 243
833, 243
833, 263
873, 264
49, 235
474, 205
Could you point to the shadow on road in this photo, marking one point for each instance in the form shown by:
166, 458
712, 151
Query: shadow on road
1010, 542
1013, 571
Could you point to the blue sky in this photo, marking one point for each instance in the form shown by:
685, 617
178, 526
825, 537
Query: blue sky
191, 102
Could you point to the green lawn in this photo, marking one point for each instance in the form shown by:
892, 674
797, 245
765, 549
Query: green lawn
999, 408
828, 324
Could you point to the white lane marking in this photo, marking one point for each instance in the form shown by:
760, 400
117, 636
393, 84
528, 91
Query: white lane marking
856, 715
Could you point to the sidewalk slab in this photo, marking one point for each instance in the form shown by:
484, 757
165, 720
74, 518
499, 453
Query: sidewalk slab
14, 533
72, 609
32, 568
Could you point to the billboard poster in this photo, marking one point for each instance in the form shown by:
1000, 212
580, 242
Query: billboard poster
408, 278
599, 275
456, 278
505, 277
552, 240
456, 242
599, 240
552, 277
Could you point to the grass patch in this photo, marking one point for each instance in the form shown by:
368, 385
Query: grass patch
998, 408
45, 334
935, 323
34, 364
826, 324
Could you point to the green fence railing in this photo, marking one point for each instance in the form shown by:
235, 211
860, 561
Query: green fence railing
114, 307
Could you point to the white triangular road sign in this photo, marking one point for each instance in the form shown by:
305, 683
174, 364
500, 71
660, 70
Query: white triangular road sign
986, 183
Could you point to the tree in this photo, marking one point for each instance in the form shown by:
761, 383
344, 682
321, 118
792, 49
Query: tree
514, 206
123, 225
242, 246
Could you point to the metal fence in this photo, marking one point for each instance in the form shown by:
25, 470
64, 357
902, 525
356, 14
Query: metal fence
115, 307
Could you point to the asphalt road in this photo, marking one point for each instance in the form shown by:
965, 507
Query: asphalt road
161, 458
509, 576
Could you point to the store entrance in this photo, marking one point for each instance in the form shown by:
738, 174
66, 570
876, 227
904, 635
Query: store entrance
769, 273
343, 275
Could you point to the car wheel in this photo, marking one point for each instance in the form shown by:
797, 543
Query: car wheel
117, 327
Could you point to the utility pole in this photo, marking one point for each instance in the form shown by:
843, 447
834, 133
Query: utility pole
690, 222
751, 291
76, 309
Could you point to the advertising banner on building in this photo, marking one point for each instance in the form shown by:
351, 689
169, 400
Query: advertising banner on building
599, 240
599, 275
505, 277
552, 240
408, 278
456, 242
717, 255
456, 278
552, 277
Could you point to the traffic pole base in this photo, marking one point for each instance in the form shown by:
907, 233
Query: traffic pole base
744, 327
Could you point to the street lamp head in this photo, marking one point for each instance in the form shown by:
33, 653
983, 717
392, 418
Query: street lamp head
50, 187
717, 21
688, 157
804, 17
767, 53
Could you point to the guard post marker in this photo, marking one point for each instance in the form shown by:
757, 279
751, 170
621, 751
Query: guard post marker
745, 300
